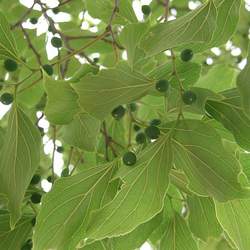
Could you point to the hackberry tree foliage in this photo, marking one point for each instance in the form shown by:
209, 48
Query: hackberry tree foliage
148, 109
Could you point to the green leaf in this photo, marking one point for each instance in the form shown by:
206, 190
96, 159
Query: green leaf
211, 170
62, 101
99, 94
137, 237
202, 217
65, 210
243, 84
82, 132
147, 181
19, 160
130, 38
177, 235
14, 239
216, 81
7, 43
235, 220
195, 27
233, 118
103, 10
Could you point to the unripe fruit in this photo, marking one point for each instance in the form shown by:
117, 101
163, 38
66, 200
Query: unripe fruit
186, 55
48, 69
189, 97
60, 149
27, 246
33, 221
146, 9
56, 42
65, 172
140, 138
152, 132
49, 179
10, 65
118, 112
36, 198
35, 179
33, 20
132, 107
55, 10
129, 158
155, 122
162, 85
6, 98
136, 127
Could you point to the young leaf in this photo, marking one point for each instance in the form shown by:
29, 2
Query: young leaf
147, 181
65, 210
211, 170
19, 160
235, 220
82, 132
7, 43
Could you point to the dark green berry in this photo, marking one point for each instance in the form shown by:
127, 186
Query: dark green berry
186, 55
132, 107
189, 97
152, 132
65, 172
6, 98
96, 60
129, 158
155, 122
162, 85
60, 149
36, 198
118, 112
35, 179
49, 179
48, 69
56, 42
146, 9
10, 65
28, 245
33, 221
56, 10
136, 127
140, 138
33, 20
41, 130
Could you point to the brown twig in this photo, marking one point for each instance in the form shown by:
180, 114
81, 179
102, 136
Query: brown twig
19, 22
31, 46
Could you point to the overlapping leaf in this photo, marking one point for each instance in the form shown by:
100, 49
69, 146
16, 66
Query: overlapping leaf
82, 132
62, 101
211, 170
197, 26
19, 160
65, 210
177, 235
145, 183
14, 239
7, 43
202, 217
99, 94
234, 217
233, 118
